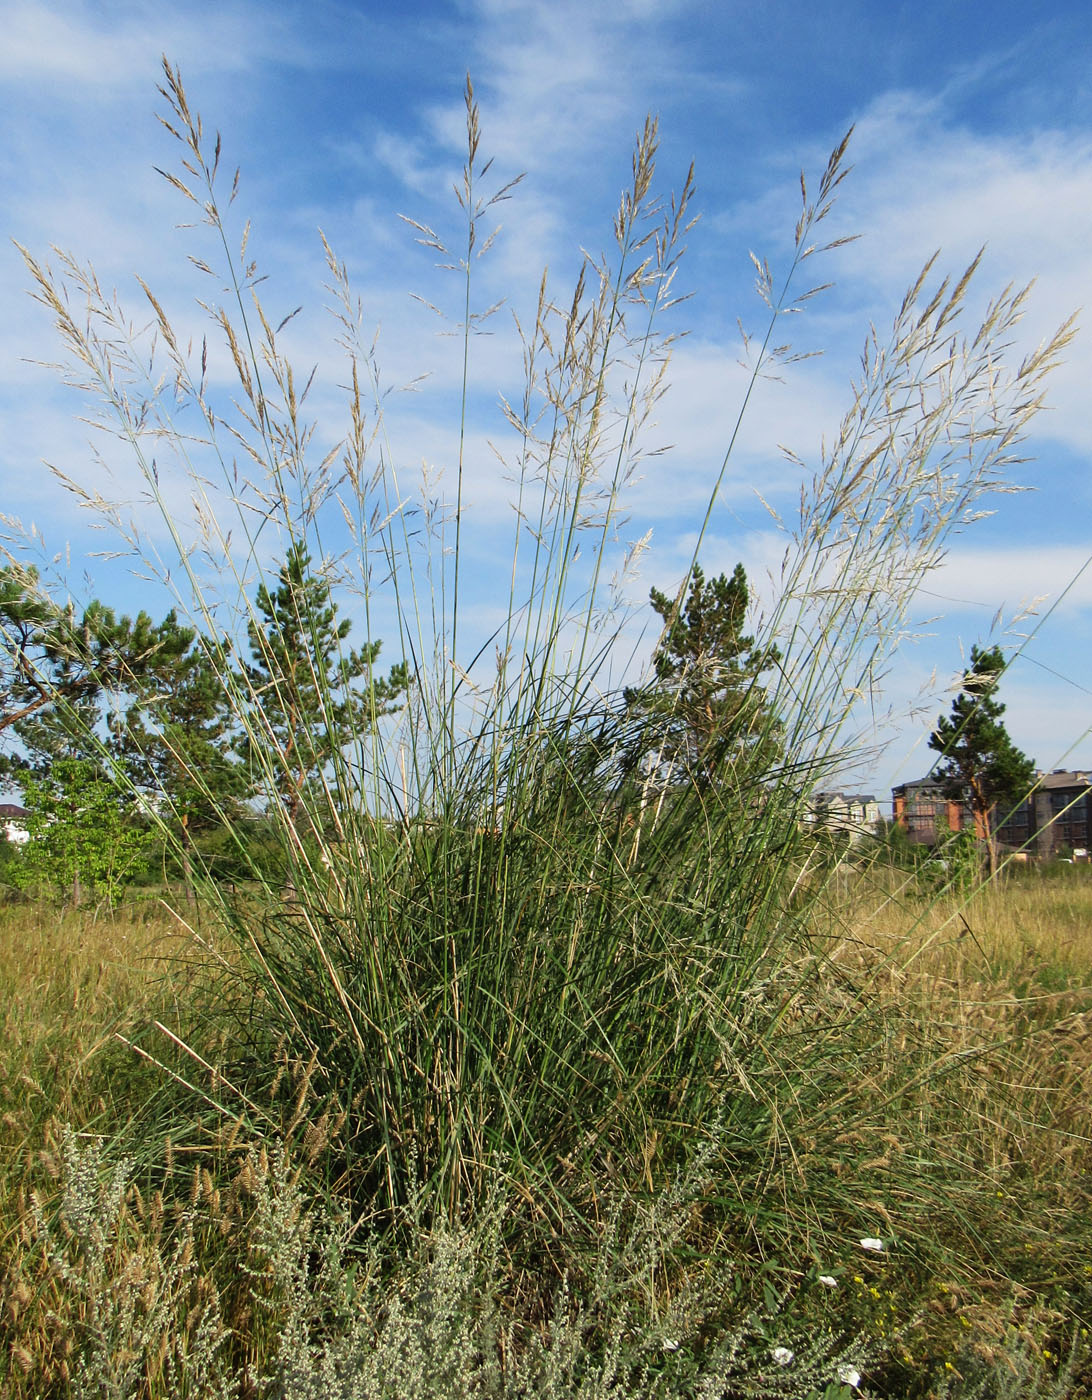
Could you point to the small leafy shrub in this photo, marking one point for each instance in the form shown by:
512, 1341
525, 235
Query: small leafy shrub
82, 839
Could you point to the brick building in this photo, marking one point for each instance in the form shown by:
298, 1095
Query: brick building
1063, 806
1056, 815
923, 811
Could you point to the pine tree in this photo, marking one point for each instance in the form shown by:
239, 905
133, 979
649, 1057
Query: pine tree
302, 681
175, 738
56, 666
980, 762
707, 709
53, 659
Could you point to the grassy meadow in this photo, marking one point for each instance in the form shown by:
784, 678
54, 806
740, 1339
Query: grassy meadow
541, 1050
181, 1274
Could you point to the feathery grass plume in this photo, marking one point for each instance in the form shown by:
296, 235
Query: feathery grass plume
521, 954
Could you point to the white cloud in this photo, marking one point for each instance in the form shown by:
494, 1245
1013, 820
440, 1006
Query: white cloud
697, 418
407, 160
64, 42
922, 181
112, 49
561, 84
1010, 579
922, 185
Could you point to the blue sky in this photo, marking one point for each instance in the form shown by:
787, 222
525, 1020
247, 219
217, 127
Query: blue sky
973, 126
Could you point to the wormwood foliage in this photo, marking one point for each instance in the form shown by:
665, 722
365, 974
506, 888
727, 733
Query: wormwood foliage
506, 987
426, 1325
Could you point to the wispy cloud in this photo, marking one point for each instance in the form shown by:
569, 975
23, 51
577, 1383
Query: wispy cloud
110, 49
923, 185
1011, 580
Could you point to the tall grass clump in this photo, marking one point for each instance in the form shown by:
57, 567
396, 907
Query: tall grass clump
522, 958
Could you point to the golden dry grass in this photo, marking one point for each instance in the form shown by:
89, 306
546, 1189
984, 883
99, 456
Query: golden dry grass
1033, 919
1005, 974
66, 981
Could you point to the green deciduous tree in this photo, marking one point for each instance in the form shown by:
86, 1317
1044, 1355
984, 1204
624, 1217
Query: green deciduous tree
169, 726
707, 707
307, 706
83, 838
980, 763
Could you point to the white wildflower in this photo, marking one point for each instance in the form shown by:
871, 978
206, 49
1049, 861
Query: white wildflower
849, 1375
782, 1355
876, 1246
